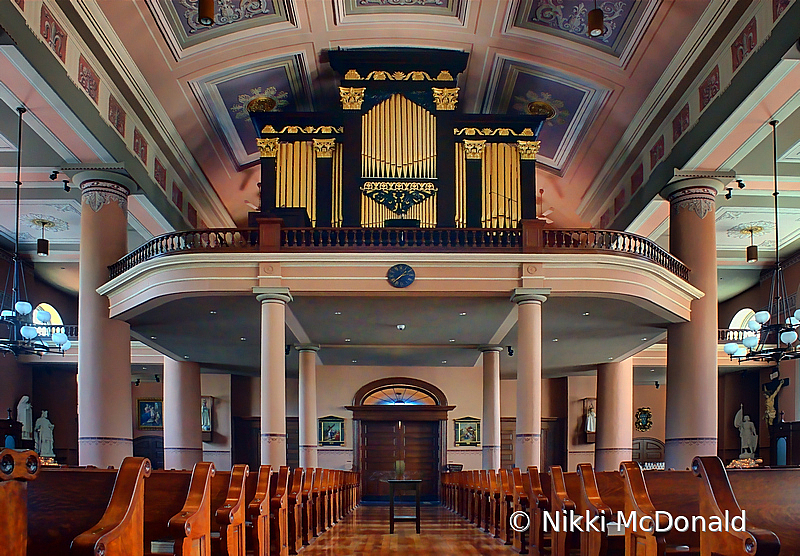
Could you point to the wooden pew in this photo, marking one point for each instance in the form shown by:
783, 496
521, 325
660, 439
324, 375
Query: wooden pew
675, 492
122, 524
769, 498
228, 502
472, 494
538, 492
493, 524
521, 504
308, 506
16, 469
258, 513
278, 515
506, 482
177, 507
294, 509
564, 488
603, 496
316, 490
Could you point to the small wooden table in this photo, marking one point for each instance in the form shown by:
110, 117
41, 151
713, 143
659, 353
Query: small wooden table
401, 485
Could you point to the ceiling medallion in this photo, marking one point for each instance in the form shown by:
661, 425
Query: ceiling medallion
541, 108
261, 104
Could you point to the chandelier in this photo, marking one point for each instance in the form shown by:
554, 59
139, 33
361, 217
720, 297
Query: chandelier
774, 330
16, 315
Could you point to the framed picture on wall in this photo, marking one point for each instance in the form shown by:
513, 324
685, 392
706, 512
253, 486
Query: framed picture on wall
331, 431
150, 414
468, 431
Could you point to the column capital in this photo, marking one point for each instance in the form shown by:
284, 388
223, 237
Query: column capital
695, 190
530, 295
100, 188
272, 294
307, 347
489, 347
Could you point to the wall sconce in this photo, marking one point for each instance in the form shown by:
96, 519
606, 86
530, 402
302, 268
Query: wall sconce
205, 12
595, 21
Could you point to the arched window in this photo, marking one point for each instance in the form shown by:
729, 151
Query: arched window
399, 394
740, 319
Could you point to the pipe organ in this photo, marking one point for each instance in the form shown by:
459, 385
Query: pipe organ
398, 153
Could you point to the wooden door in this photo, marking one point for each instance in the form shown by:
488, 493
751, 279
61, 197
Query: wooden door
383, 443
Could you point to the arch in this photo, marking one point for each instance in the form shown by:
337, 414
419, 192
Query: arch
414, 383
741, 318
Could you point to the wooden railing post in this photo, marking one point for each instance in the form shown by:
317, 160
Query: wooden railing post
532, 235
269, 234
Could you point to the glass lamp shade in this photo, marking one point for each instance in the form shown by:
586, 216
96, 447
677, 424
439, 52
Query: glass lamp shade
792, 321
753, 325
43, 316
59, 338
67, 345
788, 336
741, 352
750, 342
28, 332
7, 314
731, 348
797, 314
23, 307
762, 317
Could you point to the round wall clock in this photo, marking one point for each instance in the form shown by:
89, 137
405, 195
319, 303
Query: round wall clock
400, 275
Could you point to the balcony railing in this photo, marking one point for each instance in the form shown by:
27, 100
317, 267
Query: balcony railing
47, 330
530, 238
733, 335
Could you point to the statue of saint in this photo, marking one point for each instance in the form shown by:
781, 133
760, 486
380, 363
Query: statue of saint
591, 420
205, 417
771, 412
747, 434
43, 435
25, 416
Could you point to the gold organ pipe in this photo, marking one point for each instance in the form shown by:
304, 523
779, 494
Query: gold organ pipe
461, 186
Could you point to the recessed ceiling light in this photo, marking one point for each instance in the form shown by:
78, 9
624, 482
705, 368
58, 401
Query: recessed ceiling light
644, 339
243, 338
462, 314
347, 339
452, 340
144, 368
152, 337
212, 312
64, 268
586, 314
355, 361
652, 370
186, 357
337, 313
610, 358
444, 361
555, 339
401, 326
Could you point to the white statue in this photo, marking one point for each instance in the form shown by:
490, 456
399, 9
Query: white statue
25, 416
591, 420
747, 434
205, 417
43, 435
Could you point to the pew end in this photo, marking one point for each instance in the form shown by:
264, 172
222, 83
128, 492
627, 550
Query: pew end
717, 498
191, 527
122, 524
258, 513
16, 469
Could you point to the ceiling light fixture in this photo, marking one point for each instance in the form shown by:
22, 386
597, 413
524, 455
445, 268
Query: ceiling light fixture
42, 245
773, 332
401, 326
54, 175
66, 186
595, 21
28, 332
205, 12
728, 192
740, 183
752, 249
462, 314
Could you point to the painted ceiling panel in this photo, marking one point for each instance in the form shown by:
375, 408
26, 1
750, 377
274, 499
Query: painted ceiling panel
514, 85
432, 7
230, 16
225, 95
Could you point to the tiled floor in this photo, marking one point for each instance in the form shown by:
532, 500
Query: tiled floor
366, 531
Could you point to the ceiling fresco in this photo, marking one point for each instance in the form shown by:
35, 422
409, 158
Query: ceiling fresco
569, 19
225, 95
514, 85
430, 7
231, 16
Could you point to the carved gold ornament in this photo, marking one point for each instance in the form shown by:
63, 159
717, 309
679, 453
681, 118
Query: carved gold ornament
381, 75
324, 148
474, 149
268, 148
307, 129
445, 99
352, 97
502, 131
528, 149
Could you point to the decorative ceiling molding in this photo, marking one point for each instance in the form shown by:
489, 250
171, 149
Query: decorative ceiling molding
224, 97
576, 101
6, 146
428, 11
177, 21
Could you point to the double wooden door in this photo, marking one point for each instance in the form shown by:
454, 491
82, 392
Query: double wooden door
416, 443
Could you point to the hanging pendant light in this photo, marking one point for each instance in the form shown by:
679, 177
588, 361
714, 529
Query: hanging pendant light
752, 250
595, 21
42, 245
205, 12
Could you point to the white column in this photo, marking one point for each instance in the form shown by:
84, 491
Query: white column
183, 439
307, 401
491, 407
273, 374
614, 440
529, 375
692, 374
105, 422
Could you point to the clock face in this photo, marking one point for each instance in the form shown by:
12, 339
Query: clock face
400, 275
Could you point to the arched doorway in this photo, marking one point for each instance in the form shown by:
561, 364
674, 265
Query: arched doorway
399, 420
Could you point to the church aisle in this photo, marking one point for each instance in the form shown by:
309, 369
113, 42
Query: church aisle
366, 531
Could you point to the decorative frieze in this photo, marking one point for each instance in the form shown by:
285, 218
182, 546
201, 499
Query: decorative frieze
379, 75
116, 115
139, 145
97, 194
488, 131
744, 44
709, 88
53, 34
445, 99
352, 97
87, 79
268, 148
681, 123
310, 130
